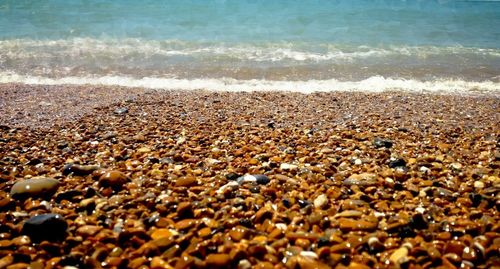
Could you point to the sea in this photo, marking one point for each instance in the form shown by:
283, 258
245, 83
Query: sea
254, 45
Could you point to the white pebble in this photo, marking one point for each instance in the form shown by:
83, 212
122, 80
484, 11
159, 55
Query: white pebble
478, 184
320, 201
309, 254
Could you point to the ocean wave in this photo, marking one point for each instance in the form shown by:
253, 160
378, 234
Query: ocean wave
372, 84
90, 48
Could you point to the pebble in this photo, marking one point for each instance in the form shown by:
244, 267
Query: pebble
356, 225
121, 110
217, 260
288, 167
51, 227
88, 230
320, 201
114, 179
478, 184
34, 187
161, 233
186, 181
393, 163
259, 179
399, 256
382, 143
79, 170
363, 179
318, 211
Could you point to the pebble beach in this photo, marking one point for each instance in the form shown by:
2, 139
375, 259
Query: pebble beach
109, 177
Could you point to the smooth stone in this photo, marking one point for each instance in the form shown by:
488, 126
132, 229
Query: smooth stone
382, 143
320, 201
88, 230
185, 210
159, 263
34, 187
114, 179
348, 214
263, 214
356, 225
6, 261
259, 179
393, 163
363, 179
144, 150
218, 260
398, 256
238, 233
289, 167
79, 170
186, 181
121, 110
185, 224
51, 227
478, 184
161, 233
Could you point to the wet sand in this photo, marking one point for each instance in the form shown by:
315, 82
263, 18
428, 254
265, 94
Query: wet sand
202, 179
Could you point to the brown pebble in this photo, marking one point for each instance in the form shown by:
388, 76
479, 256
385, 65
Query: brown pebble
114, 179
34, 187
185, 261
161, 233
20, 265
237, 233
185, 224
356, 225
204, 232
159, 263
88, 230
185, 210
263, 214
217, 260
186, 181
399, 255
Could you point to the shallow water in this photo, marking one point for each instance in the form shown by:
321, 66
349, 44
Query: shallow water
324, 44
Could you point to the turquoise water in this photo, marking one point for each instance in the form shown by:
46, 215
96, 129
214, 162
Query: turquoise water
241, 41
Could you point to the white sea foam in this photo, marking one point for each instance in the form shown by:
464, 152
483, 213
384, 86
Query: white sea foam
372, 84
89, 48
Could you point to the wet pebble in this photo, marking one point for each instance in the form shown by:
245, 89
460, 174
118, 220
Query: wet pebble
51, 227
217, 260
121, 110
382, 143
320, 201
79, 170
34, 187
186, 181
114, 179
363, 179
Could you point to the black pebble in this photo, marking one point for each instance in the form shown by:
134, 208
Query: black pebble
397, 163
50, 227
476, 199
232, 176
382, 143
286, 203
34, 162
418, 222
262, 179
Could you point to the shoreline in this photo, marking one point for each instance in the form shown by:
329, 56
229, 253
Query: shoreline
24, 104
351, 179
